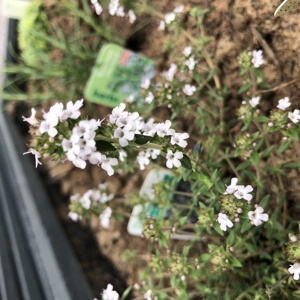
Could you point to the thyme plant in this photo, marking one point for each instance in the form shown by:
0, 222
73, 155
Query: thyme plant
246, 238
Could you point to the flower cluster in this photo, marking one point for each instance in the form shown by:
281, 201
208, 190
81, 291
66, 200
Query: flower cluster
257, 58
63, 134
231, 204
114, 9
94, 201
170, 17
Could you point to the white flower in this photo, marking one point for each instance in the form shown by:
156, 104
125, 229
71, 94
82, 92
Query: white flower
162, 25
284, 103
173, 159
97, 6
122, 155
105, 218
72, 110
145, 83
257, 58
85, 201
179, 9
189, 89
258, 216
187, 51
163, 129
124, 135
31, 120
147, 295
132, 16
107, 163
232, 187
254, 101
113, 6
36, 154
190, 63
109, 293
149, 98
170, 17
294, 116
118, 112
242, 192
74, 216
120, 11
224, 222
180, 139
143, 159
169, 75
49, 126
295, 269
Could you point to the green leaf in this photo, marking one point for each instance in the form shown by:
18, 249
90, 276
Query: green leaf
126, 293
186, 162
283, 147
264, 201
231, 238
254, 157
262, 119
267, 151
162, 241
293, 134
103, 146
244, 165
245, 87
141, 139
218, 229
246, 226
182, 220
234, 262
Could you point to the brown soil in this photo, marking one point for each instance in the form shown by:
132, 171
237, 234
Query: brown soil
235, 26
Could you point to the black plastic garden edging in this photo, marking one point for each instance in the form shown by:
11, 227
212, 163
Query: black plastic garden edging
36, 259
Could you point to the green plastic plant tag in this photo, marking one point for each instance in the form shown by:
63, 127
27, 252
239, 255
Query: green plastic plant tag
117, 74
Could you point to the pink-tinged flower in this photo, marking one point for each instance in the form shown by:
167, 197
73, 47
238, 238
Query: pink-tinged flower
173, 159
230, 189
224, 222
180, 139
294, 116
36, 154
256, 217
254, 101
242, 192
109, 293
295, 269
31, 120
189, 90
284, 103
257, 58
